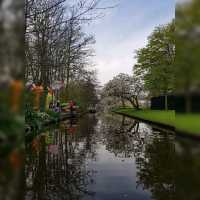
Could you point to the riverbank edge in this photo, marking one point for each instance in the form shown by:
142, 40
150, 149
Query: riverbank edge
167, 125
151, 122
29, 133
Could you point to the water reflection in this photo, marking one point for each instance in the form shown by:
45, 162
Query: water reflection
156, 168
110, 157
56, 167
123, 136
11, 175
153, 153
187, 169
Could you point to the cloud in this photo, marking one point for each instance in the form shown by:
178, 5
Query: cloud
118, 58
123, 31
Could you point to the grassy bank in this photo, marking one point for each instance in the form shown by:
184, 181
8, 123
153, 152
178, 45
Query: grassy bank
189, 123
161, 117
186, 124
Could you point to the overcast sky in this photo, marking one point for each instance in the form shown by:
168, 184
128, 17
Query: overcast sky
125, 29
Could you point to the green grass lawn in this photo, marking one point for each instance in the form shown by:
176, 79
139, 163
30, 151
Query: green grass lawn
186, 123
162, 117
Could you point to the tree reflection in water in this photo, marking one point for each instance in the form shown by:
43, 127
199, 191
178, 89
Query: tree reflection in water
56, 163
123, 136
156, 169
154, 154
187, 169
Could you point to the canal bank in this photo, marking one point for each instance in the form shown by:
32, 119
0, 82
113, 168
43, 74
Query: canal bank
184, 124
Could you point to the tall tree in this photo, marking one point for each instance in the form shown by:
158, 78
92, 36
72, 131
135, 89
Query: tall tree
155, 62
187, 49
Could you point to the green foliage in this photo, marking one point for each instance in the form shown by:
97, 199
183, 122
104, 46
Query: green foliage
156, 61
83, 93
53, 114
37, 119
188, 46
11, 131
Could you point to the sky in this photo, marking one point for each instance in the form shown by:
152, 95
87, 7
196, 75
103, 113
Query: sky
123, 30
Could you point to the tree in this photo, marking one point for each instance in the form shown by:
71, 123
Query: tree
187, 49
125, 88
56, 47
155, 62
84, 90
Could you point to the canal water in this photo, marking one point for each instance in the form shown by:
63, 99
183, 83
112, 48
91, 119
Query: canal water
110, 157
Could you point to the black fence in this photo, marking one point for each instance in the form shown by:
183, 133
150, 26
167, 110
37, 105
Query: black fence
158, 103
177, 103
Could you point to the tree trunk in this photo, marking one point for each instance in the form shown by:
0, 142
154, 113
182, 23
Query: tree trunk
67, 85
69, 57
134, 103
137, 103
123, 103
43, 100
166, 102
188, 102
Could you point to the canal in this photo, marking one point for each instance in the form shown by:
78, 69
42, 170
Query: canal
110, 157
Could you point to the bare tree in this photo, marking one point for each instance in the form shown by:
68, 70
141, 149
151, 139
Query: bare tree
56, 46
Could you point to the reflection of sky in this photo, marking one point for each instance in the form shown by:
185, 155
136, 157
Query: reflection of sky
125, 29
115, 178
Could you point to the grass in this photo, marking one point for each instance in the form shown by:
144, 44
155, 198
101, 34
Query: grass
188, 123
184, 123
157, 116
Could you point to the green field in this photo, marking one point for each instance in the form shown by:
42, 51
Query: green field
184, 123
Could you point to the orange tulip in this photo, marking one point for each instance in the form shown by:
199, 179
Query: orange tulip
16, 159
16, 93
37, 90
